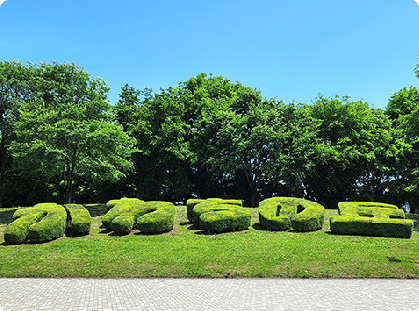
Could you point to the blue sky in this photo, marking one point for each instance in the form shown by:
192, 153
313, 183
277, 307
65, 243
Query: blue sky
289, 49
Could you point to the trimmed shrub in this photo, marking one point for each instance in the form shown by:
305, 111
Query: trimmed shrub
225, 218
17, 231
148, 217
275, 213
52, 226
123, 224
124, 206
191, 203
223, 215
111, 203
24, 212
160, 220
370, 209
284, 213
371, 219
78, 219
310, 218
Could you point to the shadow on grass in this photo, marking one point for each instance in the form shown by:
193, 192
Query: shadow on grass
202, 232
139, 233
6, 216
192, 227
104, 230
69, 234
257, 226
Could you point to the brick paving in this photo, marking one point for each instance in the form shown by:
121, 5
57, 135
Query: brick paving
25, 294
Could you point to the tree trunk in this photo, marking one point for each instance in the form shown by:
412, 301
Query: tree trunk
69, 186
70, 167
254, 192
253, 187
69, 181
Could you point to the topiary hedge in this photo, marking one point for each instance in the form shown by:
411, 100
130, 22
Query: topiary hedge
371, 219
52, 226
190, 204
226, 218
17, 231
217, 215
160, 217
78, 219
284, 213
45, 222
122, 207
149, 217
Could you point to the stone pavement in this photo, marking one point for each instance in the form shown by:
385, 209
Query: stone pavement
209, 294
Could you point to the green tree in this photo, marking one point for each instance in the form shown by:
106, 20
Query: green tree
403, 110
67, 129
402, 103
16, 86
263, 150
171, 135
158, 123
353, 151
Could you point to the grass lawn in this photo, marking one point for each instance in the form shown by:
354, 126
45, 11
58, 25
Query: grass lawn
185, 252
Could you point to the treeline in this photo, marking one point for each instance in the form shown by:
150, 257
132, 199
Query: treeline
62, 141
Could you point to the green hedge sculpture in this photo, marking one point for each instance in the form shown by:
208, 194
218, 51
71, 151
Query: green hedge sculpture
78, 219
159, 218
47, 221
218, 215
42, 223
284, 213
127, 214
190, 204
371, 219
17, 231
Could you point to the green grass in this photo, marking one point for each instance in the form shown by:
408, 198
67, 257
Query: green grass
185, 252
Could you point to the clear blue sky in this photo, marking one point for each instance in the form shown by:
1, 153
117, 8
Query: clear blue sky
289, 49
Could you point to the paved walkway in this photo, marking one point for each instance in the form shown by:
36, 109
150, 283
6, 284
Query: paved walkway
209, 294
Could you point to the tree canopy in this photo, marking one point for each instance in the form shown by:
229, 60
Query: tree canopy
65, 129
206, 137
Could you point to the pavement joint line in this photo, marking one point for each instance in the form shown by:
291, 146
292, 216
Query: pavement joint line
242, 294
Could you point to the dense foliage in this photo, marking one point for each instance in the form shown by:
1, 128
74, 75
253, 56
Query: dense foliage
371, 219
207, 137
59, 136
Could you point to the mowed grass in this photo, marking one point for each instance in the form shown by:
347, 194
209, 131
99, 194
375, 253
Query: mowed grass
185, 252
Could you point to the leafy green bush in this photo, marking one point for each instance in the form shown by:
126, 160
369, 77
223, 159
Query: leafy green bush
160, 220
284, 213
370, 209
52, 226
17, 231
371, 219
111, 203
191, 203
149, 217
78, 219
310, 218
123, 224
124, 206
217, 215
225, 218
